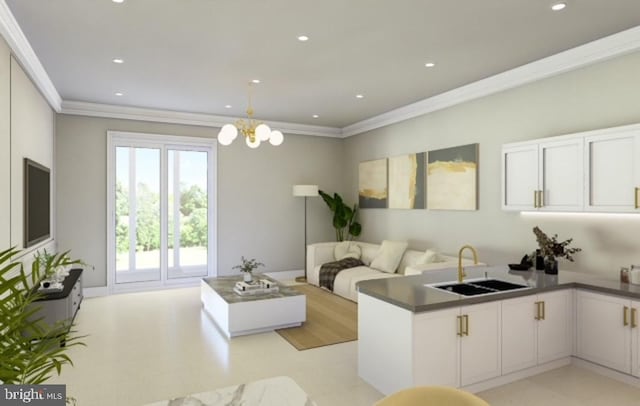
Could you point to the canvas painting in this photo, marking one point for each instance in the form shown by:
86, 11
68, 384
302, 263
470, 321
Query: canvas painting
372, 184
452, 178
407, 181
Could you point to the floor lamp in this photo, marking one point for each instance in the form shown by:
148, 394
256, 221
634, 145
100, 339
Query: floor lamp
305, 191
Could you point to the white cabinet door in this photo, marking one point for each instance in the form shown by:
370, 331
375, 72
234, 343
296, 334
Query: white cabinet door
613, 172
480, 345
436, 348
561, 174
635, 338
555, 329
519, 338
603, 335
519, 176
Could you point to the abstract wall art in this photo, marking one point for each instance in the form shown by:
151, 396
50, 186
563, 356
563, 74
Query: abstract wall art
407, 181
372, 184
452, 178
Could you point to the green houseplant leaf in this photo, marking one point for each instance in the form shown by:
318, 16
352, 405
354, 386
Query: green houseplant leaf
30, 350
344, 217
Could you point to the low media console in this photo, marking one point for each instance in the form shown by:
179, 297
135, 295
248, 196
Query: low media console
62, 305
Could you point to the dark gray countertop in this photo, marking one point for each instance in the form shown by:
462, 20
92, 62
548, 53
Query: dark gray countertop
410, 293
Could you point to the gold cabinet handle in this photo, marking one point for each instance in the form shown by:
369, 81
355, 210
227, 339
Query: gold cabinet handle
544, 310
466, 324
634, 315
538, 313
636, 198
541, 198
460, 327
535, 199
625, 316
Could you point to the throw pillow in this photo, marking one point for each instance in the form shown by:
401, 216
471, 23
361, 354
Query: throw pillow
428, 257
347, 249
389, 256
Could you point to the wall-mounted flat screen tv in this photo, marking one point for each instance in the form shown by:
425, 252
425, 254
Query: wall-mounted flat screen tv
37, 203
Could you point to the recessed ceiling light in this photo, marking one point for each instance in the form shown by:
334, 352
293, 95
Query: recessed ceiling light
303, 38
118, 1
315, 116
228, 106
429, 64
256, 81
119, 94
359, 96
118, 60
558, 6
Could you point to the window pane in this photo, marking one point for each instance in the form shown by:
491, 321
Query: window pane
147, 208
188, 213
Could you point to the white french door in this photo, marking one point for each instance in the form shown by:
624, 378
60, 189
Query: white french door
161, 210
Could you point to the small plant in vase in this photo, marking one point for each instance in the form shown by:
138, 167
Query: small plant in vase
247, 267
551, 249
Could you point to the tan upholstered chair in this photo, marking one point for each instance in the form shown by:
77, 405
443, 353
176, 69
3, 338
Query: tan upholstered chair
431, 396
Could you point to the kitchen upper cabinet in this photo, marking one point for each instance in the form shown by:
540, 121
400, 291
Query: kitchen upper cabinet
544, 175
604, 330
520, 177
590, 171
536, 329
613, 165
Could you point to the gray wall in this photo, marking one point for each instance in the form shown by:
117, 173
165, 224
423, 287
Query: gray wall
257, 214
599, 96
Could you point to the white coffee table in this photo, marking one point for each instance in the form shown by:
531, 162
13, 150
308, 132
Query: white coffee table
239, 315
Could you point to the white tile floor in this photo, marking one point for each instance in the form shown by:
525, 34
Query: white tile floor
145, 347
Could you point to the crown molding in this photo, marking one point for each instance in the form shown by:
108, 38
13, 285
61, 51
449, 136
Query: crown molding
593, 52
178, 117
27, 57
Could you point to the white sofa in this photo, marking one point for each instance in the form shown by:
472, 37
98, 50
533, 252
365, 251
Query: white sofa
346, 281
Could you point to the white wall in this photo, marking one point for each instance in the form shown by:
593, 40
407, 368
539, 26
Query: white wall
257, 215
599, 96
32, 125
5, 146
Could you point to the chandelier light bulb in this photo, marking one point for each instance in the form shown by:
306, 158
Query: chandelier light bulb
263, 132
227, 134
254, 144
276, 138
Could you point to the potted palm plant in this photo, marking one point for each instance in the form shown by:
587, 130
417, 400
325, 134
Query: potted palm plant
23, 359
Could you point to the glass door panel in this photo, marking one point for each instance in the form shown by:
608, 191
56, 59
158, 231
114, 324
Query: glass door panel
137, 218
188, 213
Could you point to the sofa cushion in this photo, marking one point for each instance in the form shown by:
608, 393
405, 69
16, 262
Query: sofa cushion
346, 281
428, 257
389, 256
347, 249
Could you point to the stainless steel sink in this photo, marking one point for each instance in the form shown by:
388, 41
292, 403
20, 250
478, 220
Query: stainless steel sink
479, 287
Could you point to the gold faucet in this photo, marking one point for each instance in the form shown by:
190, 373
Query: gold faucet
461, 273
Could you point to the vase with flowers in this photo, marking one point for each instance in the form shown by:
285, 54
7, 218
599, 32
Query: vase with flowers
247, 267
552, 249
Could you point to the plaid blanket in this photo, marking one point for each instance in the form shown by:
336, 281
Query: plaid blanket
330, 270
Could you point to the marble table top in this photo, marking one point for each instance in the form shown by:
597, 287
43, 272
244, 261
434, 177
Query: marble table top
224, 287
278, 391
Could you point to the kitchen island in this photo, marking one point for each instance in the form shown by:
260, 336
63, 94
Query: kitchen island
412, 333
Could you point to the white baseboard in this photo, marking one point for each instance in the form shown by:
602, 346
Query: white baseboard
95, 292
285, 275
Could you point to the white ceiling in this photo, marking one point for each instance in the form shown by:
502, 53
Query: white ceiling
198, 55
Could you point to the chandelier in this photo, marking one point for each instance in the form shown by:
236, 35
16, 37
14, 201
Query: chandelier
254, 131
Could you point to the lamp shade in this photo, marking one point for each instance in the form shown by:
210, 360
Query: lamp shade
305, 190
